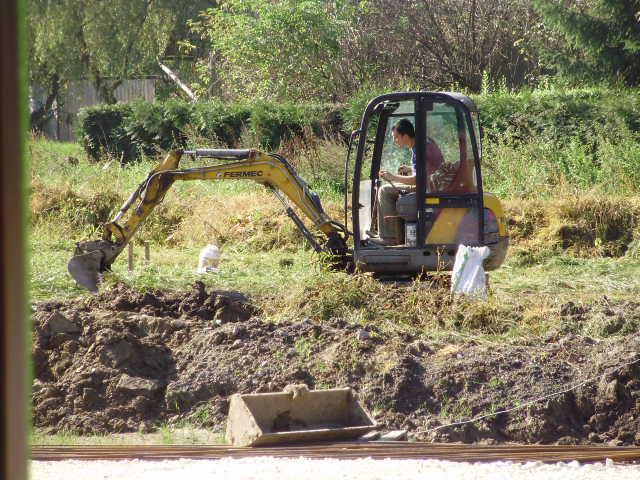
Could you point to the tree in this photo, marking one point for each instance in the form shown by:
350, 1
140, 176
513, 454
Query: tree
285, 48
317, 48
601, 38
106, 42
457, 42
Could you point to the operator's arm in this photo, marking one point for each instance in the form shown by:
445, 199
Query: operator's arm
406, 180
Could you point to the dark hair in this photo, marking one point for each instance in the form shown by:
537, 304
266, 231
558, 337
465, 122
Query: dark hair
405, 127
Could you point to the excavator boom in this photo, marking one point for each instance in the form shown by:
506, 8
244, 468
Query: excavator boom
270, 169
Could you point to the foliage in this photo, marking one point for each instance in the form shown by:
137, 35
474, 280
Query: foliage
560, 115
102, 131
310, 51
263, 258
454, 42
303, 50
127, 131
111, 42
601, 39
283, 48
533, 140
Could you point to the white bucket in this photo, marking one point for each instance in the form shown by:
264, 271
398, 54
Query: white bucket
209, 259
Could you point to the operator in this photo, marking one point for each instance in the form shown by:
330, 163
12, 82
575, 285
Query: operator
404, 136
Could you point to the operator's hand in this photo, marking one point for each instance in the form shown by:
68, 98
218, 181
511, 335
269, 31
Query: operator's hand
386, 175
405, 170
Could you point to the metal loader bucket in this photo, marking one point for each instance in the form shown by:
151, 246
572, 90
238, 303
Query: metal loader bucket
90, 259
301, 416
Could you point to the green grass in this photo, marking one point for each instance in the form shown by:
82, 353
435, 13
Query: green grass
567, 277
264, 257
587, 187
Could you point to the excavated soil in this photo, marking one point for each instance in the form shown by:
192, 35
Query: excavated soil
129, 361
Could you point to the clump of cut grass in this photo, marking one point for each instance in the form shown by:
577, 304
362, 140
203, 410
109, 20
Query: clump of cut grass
419, 307
586, 225
593, 224
525, 218
64, 204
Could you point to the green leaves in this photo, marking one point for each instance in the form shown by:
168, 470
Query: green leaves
126, 131
601, 39
284, 49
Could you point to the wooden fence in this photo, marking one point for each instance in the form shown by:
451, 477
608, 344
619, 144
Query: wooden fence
61, 125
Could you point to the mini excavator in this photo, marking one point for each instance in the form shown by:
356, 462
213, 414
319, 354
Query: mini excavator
430, 223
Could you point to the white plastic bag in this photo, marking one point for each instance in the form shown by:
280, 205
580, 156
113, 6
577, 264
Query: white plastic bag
468, 277
208, 259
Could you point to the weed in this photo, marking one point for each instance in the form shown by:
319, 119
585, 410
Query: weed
303, 349
495, 382
166, 435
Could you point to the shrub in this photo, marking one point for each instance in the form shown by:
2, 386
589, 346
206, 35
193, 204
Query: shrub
154, 125
536, 142
127, 131
101, 129
221, 123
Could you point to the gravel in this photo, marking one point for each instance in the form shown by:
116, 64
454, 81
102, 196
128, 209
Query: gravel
266, 468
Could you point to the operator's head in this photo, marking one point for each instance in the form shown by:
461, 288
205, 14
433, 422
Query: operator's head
404, 134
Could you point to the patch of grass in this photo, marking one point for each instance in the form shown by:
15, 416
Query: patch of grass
165, 435
303, 349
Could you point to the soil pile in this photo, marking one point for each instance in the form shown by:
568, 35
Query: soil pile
126, 361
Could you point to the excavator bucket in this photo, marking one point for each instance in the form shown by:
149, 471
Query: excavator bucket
300, 416
90, 259
85, 268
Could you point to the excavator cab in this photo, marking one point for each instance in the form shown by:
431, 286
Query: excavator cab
443, 207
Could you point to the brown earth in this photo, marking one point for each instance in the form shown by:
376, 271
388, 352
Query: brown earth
126, 361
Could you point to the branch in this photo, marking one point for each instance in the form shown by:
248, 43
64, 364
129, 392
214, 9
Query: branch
177, 81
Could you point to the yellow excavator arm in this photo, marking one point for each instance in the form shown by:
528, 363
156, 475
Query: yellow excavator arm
270, 169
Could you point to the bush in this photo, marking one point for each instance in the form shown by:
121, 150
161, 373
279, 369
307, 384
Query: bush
221, 123
158, 125
102, 130
560, 115
127, 131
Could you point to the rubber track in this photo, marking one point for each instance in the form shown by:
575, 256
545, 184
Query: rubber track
377, 450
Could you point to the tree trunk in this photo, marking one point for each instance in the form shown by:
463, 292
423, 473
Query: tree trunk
106, 89
39, 116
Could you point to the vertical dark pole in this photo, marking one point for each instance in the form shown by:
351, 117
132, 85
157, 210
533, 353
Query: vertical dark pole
421, 168
14, 384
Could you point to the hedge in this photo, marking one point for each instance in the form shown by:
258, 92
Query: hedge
559, 116
128, 130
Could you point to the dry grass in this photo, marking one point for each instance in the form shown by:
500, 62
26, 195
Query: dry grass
66, 205
254, 220
557, 252
585, 225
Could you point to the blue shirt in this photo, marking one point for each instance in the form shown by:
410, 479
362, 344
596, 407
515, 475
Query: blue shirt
413, 159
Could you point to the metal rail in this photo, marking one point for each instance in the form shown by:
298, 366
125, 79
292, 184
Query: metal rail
376, 450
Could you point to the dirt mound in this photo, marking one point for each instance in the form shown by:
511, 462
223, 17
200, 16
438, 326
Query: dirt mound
104, 364
125, 361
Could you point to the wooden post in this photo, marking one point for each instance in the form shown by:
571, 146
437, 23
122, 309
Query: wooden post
130, 256
14, 374
147, 252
